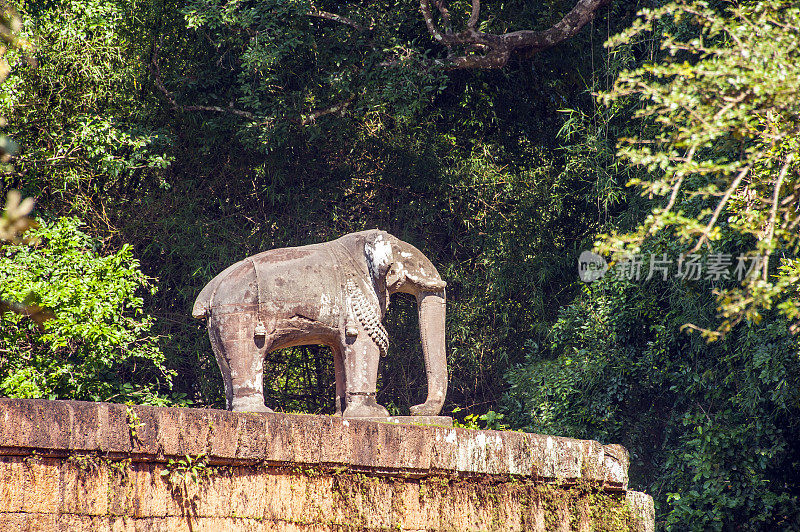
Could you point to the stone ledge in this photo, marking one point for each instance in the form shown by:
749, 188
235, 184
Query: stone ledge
96, 467
438, 421
69, 427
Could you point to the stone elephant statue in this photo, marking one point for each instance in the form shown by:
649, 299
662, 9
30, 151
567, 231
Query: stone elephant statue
335, 294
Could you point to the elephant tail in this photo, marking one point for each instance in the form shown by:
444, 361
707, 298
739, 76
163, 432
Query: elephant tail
202, 305
204, 302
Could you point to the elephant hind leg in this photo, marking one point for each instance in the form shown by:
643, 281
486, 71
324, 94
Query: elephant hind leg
241, 361
222, 362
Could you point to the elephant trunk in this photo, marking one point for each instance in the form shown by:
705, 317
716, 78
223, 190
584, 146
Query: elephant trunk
431, 307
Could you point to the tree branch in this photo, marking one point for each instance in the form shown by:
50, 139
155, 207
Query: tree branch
311, 117
333, 17
425, 8
724, 201
499, 47
536, 41
473, 16
448, 28
303, 120
773, 214
677, 186
156, 71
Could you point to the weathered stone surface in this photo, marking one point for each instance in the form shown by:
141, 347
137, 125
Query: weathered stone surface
643, 511
439, 421
306, 440
93, 466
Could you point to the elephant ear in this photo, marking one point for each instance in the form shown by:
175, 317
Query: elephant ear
378, 250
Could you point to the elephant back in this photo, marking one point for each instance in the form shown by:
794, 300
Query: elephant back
281, 283
302, 282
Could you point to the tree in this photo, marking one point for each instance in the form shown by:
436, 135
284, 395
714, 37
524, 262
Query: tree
72, 319
380, 67
711, 427
14, 220
723, 144
10, 25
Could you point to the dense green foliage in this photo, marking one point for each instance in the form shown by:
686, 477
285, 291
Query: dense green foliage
97, 346
713, 425
187, 135
10, 26
724, 142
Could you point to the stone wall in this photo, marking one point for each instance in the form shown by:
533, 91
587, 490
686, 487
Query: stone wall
78, 466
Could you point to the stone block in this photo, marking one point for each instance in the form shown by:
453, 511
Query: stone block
251, 432
41, 478
115, 435
222, 440
643, 510
84, 486
293, 438
12, 482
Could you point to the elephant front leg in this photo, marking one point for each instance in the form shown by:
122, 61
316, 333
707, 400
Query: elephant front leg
338, 366
240, 351
361, 378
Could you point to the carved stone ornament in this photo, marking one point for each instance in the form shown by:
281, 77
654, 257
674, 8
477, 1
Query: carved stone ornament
335, 294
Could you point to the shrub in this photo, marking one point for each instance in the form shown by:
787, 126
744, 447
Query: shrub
98, 345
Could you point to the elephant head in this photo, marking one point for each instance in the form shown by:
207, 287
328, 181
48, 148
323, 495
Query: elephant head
397, 266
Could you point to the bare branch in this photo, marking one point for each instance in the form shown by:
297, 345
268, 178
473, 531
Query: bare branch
724, 201
448, 28
677, 186
773, 213
473, 17
333, 17
304, 120
492, 59
338, 108
156, 71
499, 47
536, 41
230, 109
425, 8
